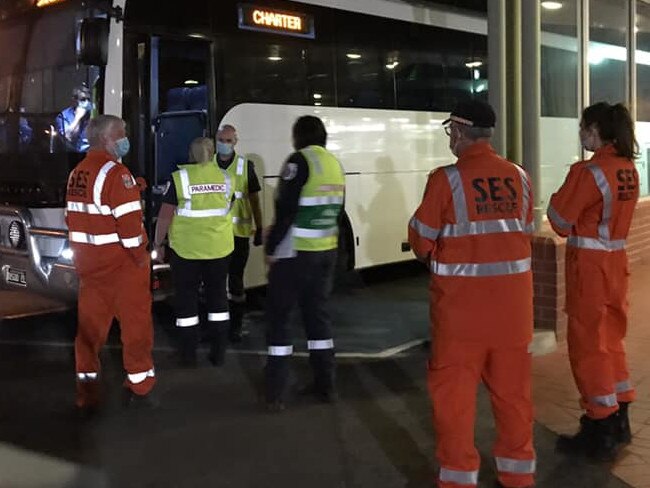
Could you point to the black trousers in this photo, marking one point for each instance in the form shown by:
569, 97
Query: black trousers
305, 280
238, 260
187, 275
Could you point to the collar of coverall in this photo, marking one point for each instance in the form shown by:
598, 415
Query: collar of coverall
101, 155
606, 150
479, 148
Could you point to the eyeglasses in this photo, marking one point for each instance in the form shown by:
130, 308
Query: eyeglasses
448, 130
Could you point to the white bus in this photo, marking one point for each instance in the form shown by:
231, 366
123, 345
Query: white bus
382, 74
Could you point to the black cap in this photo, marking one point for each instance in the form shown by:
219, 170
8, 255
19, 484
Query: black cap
473, 113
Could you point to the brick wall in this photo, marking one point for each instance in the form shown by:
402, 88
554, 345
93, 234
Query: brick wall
548, 269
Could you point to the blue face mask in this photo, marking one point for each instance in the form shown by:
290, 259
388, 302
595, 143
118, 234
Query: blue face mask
122, 147
224, 148
86, 105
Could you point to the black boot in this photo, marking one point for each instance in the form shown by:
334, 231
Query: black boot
236, 318
188, 343
276, 379
218, 343
323, 387
624, 433
597, 439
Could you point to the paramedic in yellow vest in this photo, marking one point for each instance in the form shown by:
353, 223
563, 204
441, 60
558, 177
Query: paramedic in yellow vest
301, 252
196, 215
246, 220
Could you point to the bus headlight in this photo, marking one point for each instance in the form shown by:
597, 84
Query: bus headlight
16, 235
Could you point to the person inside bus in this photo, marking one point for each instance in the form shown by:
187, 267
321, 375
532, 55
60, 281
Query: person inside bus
246, 211
196, 212
71, 122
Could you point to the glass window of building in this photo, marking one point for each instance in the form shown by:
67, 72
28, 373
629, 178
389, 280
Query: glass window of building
607, 55
643, 93
559, 93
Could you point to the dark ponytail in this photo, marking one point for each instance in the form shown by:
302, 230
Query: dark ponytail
614, 125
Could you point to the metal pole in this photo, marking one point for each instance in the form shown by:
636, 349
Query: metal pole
583, 54
513, 80
532, 105
631, 59
497, 70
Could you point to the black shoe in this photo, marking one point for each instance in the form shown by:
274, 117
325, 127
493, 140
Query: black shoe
596, 439
320, 394
498, 484
275, 406
624, 432
140, 402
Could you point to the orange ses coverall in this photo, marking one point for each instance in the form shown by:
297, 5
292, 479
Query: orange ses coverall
594, 209
106, 234
473, 229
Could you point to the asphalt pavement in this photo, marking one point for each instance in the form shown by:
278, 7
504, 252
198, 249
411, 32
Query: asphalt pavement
211, 429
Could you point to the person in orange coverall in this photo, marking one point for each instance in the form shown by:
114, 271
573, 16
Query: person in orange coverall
109, 245
473, 229
594, 209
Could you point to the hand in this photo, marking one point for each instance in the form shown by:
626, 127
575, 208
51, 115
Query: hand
257, 239
159, 253
80, 112
270, 260
142, 183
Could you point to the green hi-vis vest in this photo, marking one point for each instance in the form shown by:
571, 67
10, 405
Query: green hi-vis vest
202, 225
242, 215
321, 201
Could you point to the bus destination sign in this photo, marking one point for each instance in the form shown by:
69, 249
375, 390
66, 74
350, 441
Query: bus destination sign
264, 19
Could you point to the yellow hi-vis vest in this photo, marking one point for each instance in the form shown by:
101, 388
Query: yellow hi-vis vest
242, 214
321, 201
202, 225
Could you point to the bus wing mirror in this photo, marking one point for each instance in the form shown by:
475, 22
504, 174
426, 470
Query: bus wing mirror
93, 41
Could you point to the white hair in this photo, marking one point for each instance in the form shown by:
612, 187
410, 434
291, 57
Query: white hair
99, 126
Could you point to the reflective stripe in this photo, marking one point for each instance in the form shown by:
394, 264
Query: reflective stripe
218, 317
239, 220
596, 244
98, 187
325, 200
280, 350
126, 208
479, 227
185, 212
517, 466
88, 208
240, 166
87, 376
185, 184
460, 477
320, 345
624, 386
606, 191
132, 242
135, 378
423, 229
94, 239
340, 188
315, 233
558, 220
481, 269
458, 194
605, 400
188, 321
313, 158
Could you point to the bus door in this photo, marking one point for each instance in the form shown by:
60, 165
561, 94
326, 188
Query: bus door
173, 104
169, 101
